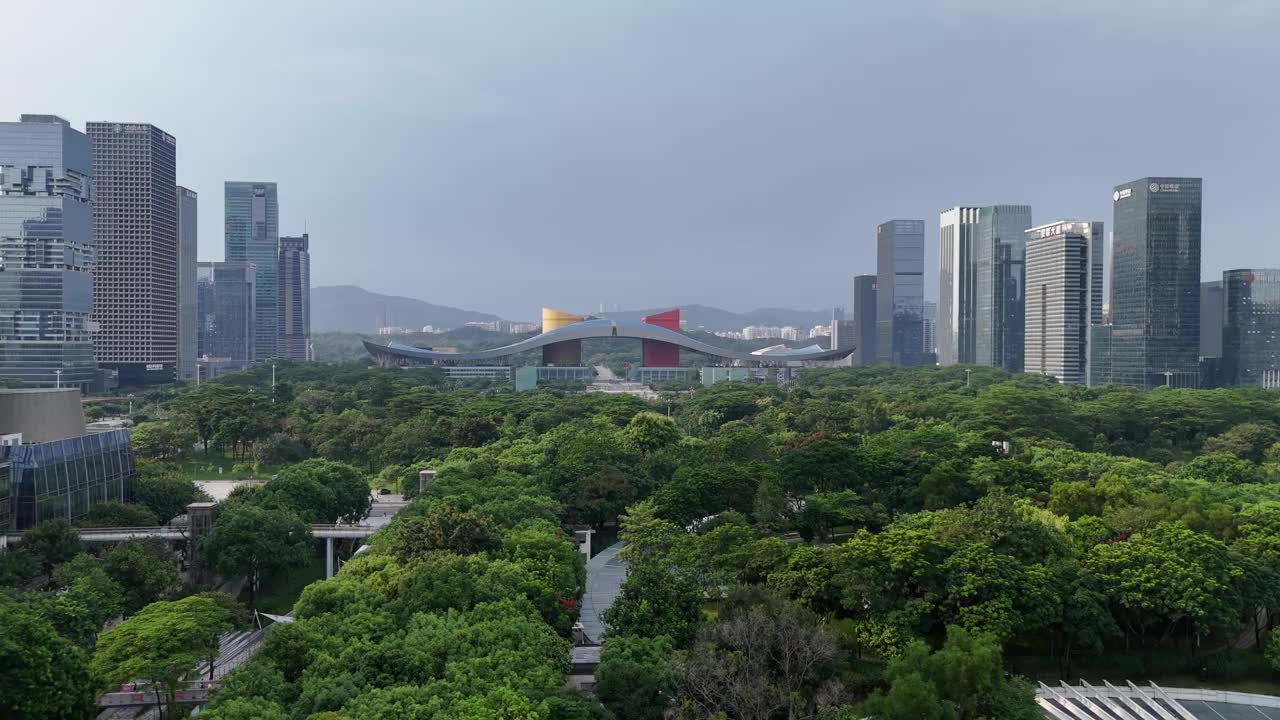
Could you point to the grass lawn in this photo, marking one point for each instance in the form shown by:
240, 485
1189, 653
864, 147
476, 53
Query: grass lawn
278, 594
202, 466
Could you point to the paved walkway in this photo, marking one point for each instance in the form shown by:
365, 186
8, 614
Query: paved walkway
605, 573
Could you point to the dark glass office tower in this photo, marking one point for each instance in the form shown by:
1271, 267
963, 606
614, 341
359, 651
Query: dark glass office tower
136, 273
253, 235
999, 256
864, 320
1251, 343
1212, 316
295, 297
1155, 283
187, 232
900, 292
226, 310
46, 253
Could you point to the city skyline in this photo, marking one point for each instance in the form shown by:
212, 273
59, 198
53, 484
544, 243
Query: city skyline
789, 164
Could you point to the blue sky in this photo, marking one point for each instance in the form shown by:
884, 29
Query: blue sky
504, 155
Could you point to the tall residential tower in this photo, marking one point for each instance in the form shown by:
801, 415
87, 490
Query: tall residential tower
252, 226
136, 273
46, 253
900, 292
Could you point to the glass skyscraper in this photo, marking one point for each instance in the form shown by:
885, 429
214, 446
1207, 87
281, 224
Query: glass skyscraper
864, 320
1251, 343
900, 292
252, 226
981, 275
295, 297
226, 294
999, 278
1155, 283
46, 253
136, 273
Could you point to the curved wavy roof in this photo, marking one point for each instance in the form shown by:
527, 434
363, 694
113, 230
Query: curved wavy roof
601, 328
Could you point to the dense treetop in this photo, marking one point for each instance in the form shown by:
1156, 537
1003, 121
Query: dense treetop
879, 525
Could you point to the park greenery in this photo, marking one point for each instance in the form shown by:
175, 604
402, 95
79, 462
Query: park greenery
915, 543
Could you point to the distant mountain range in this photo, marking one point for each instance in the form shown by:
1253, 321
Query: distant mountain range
346, 308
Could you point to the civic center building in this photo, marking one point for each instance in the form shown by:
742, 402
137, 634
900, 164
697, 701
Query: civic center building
560, 344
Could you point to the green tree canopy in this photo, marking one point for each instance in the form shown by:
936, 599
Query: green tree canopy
349, 487
166, 496
255, 541
44, 676
52, 542
635, 679
161, 643
146, 571
964, 679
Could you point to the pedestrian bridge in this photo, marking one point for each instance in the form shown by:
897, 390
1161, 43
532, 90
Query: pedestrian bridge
179, 532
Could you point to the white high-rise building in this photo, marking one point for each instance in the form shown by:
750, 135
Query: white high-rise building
957, 227
1063, 298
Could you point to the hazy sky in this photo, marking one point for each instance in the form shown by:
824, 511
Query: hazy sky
503, 155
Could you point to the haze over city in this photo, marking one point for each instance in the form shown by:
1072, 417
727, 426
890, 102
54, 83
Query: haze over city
643, 154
